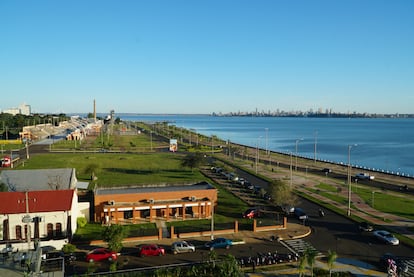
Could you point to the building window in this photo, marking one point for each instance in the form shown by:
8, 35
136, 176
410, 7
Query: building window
145, 213
25, 231
58, 229
18, 232
6, 229
128, 214
50, 230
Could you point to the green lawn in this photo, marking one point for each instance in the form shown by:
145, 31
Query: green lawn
120, 169
93, 231
388, 202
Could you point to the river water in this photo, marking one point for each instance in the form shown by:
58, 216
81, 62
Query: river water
382, 144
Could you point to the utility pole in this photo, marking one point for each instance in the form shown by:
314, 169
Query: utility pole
27, 219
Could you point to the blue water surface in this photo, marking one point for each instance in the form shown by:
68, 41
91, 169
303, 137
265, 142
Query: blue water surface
383, 144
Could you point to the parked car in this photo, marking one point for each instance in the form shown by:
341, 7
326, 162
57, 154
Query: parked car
386, 237
218, 243
365, 226
182, 247
288, 209
327, 170
300, 214
387, 260
404, 188
151, 250
233, 177
251, 213
101, 254
364, 176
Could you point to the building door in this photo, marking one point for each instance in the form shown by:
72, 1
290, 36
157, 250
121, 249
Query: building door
50, 230
36, 228
58, 229
19, 232
6, 235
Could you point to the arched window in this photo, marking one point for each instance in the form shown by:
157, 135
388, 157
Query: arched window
18, 232
58, 231
50, 230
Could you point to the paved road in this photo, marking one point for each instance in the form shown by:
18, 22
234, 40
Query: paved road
339, 233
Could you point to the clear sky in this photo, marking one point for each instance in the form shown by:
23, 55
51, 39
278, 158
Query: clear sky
207, 56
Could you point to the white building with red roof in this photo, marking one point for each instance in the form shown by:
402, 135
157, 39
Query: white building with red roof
40, 213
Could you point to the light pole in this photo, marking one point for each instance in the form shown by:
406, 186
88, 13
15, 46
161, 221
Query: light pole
291, 173
212, 147
349, 178
267, 149
296, 155
257, 153
27, 219
372, 199
151, 139
212, 219
314, 150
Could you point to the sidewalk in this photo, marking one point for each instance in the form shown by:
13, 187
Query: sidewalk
355, 267
303, 182
361, 209
395, 223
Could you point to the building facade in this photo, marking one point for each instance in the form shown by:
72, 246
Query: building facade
37, 216
148, 203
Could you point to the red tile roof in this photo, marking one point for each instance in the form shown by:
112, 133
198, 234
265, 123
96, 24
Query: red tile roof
39, 201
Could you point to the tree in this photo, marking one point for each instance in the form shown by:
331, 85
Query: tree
301, 265
68, 248
3, 187
192, 160
310, 255
113, 235
281, 193
331, 260
92, 169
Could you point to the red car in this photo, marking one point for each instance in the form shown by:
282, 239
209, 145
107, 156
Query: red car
101, 254
251, 213
151, 250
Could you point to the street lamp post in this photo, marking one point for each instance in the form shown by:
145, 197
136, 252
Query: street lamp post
257, 153
349, 178
314, 150
267, 149
151, 139
372, 199
291, 173
296, 155
212, 219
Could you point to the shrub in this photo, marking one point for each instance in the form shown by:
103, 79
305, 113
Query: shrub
69, 248
81, 221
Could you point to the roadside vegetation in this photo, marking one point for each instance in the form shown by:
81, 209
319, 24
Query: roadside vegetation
134, 160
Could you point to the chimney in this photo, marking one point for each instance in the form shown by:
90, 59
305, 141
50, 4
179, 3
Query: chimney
94, 110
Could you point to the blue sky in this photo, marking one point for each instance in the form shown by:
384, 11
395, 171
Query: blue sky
207, 56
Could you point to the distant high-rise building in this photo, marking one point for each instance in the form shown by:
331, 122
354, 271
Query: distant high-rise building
12, 111
25, 109
22, 109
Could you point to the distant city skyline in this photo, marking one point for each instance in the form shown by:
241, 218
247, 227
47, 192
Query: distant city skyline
195, 57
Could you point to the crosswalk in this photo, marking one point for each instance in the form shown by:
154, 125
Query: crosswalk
410, 269
299, 246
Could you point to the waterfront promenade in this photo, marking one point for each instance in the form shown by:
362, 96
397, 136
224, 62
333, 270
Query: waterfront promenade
360, 208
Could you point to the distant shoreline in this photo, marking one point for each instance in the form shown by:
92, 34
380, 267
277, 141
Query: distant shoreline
281, 114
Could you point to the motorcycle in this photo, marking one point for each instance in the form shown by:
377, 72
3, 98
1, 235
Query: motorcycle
321, 213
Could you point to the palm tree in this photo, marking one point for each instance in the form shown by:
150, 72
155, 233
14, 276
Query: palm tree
331, 260
302, 265
310, 255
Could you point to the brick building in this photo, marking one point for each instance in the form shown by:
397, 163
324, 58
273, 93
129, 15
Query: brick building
148, 203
